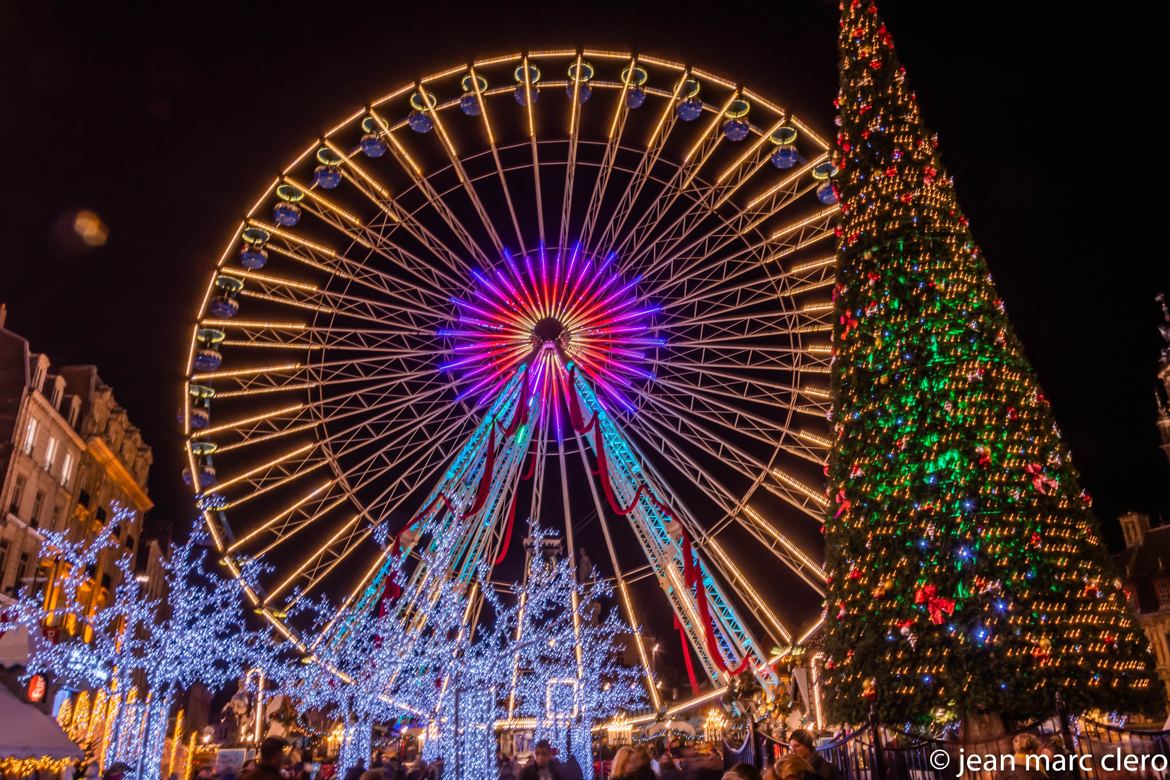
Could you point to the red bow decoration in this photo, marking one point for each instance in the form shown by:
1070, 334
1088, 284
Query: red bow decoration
1041, 481
843, 502
937, 606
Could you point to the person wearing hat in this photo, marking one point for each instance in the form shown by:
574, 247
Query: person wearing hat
802, 744
271, 761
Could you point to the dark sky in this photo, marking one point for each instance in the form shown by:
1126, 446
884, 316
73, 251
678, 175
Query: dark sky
169, 127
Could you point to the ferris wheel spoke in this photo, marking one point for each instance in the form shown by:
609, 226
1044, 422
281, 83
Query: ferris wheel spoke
318, 505
718, 413
684, 176
736, 510
782, 243
705, 404
457, 166
440, 207
757, 211
528, 101
646, 164
261, 429
344, 536
705, 541
705, 207
623, 590
781, 484
277, 517
319, 257
380, 232
309, 296
617, 127
495, 151
739, 384
762, 429
365, 235
571, 162
325, 498
326, 567
708, 249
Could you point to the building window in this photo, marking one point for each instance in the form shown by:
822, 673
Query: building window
5, 546
30, 436
17, 494
66, 469
22, 571
1162, 589
34, 518
50, 454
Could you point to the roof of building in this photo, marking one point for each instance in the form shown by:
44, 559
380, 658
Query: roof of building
1151, 557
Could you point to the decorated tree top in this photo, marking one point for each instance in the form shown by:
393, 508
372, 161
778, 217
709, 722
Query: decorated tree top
967, 570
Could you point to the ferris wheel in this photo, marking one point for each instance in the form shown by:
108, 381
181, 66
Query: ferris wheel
585, 288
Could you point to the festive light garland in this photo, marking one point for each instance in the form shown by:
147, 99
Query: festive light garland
570, 680
966, 567
196, 633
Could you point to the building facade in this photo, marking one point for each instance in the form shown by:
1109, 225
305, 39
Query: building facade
1146, 561
68, 453
41, 454
1146, 567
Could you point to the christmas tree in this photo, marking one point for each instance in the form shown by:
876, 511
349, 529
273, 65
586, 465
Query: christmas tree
967, 570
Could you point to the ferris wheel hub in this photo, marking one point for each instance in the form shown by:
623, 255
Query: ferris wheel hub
548, 330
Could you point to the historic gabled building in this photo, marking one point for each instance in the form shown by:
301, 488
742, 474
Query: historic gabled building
68, 452
1146, 568
1145, 564
41, 454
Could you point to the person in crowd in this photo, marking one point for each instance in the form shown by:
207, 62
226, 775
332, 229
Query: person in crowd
742, 771
702, 765
804, 745
419, 772
374, 774
394, 769
271, 760
504, 768
355, 772
668, 768
378, 762
621, 760
541, 766
1050, 748
116, 771
1023, 745
570, 768
791, 767
637, 766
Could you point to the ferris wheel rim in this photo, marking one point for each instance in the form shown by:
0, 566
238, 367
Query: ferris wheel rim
266, 197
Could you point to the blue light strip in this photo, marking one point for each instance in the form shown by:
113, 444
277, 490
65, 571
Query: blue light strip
448, 484
734, 639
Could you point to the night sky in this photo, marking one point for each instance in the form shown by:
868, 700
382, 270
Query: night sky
168, 127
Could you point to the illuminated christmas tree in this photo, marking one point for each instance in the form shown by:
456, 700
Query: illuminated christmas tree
967, 570
569, 678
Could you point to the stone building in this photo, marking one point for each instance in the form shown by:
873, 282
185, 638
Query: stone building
41, 455
1145, 564
68, 452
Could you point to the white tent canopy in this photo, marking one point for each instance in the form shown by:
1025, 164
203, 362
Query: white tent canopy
677, 725
26, 732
